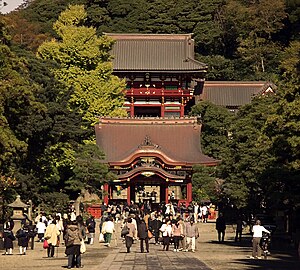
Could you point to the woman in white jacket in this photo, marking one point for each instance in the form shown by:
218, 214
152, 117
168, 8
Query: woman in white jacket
166, 230
108, 229
257, 235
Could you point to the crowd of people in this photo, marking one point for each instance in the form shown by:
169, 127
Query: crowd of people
51, 230
167, 225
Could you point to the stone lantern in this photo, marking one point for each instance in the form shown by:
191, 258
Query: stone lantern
18, 212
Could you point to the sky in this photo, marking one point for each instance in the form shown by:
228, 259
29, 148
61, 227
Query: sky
11, 5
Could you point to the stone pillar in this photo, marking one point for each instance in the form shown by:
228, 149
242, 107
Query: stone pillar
30, 210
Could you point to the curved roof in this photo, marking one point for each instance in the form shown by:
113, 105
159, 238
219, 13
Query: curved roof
150, 170
154, 52
175, 140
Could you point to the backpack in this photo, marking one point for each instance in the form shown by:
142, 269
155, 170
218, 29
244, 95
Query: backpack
20, 233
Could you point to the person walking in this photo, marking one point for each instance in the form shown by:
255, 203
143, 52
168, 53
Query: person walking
73, 239
221, 227
192, 233
239, 229
166, 230
177, 233
143, 235
182, 240
9, 237
91, 226
131, 233
154, 226
22, 235
108, 229
31, 228
51, 235
257, 231
41, 228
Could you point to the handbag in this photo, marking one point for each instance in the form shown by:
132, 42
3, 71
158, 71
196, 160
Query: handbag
101, 238
45, 244
82, 247
150, 234
124, 231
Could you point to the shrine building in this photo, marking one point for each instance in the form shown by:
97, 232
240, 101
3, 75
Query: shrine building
152, 151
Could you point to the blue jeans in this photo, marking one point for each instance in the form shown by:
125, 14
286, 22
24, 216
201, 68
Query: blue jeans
74, 260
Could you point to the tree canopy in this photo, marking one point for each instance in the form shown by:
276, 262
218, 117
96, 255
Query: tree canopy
84, 65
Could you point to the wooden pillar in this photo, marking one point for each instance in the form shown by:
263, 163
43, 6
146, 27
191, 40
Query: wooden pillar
182, 107
132, 107
189, 192
162, 108
105, 189
128, 193
167, 192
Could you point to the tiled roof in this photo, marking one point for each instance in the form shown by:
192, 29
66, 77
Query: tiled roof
154, 52
235, 93
177, 140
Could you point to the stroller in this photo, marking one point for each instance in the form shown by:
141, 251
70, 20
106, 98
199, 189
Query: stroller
265, 244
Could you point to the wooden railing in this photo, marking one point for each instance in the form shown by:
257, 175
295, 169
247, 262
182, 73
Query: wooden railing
143, 91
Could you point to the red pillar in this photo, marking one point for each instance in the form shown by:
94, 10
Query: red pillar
182, 107
132, 107
189, 192
128, 194
105, 189
167, 192
162, 108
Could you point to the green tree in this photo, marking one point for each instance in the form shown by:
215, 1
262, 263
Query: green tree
84, 65
89, 171
244, 166
283, 128
205, 184
255, 25
215, 128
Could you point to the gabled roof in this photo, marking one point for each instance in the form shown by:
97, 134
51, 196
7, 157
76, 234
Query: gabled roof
176, 141
235, 93
154, 52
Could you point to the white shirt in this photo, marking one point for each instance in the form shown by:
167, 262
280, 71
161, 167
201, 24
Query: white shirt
204, 210
166, 230
258, 230
41, 227
108, 227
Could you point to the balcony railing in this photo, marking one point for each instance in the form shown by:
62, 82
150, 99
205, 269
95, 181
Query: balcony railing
151, 91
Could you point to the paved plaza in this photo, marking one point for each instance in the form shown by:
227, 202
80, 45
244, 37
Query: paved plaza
210, 255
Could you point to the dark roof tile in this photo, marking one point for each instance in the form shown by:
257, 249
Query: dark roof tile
159, 52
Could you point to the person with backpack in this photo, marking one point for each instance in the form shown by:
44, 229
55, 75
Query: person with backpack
22, 235
73, 238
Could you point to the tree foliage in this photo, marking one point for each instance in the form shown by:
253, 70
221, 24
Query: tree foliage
206, 187
215, 128
84, 65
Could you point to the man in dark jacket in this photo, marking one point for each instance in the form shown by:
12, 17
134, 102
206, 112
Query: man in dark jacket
143, 235
91, 225
154, 226
221, 227
31, 233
